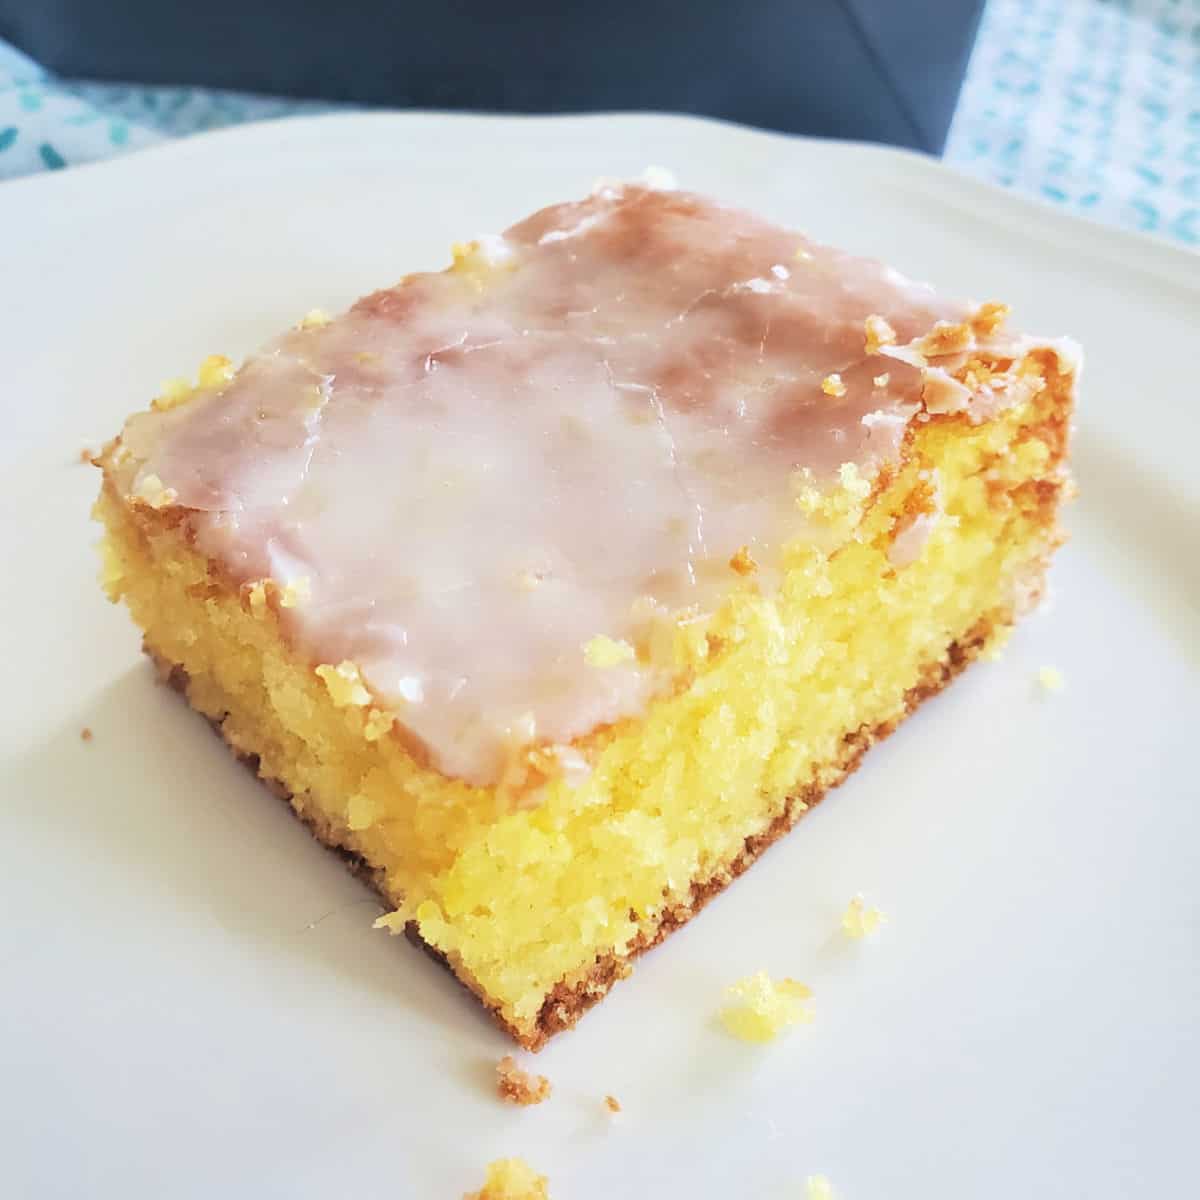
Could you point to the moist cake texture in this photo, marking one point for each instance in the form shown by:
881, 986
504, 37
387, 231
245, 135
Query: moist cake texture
554, 586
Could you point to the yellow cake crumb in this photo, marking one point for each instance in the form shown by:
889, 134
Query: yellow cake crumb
518, 1086
808, 498
818, 1187
604, 651
979, 374
879, 333
762, 1008
379, 722
395, 921
345, 684
314, 319
470, 264
150, 491
295, 592
945, 338
832, 385
853, 481
612, 1104
86, 455
477, 260
859, 921
172, 393
511, 1179
1051, 679
215, 370
85, 734
743, 562
988, 318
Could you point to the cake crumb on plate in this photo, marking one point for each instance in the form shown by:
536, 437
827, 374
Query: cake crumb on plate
518, 1086
612, 1104
859, 921
511, 1179
1051, 679
85, 734
762, 1008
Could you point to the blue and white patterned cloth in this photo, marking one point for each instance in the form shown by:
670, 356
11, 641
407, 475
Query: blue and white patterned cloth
1093, 105
1090, 104
47, 123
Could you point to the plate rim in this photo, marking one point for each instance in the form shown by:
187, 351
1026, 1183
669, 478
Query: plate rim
1147, 252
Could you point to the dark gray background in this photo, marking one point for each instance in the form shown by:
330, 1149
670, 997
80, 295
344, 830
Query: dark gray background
882, 70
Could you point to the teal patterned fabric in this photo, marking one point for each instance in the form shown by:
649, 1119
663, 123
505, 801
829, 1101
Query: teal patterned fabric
43, 127
48, 123
1091, 105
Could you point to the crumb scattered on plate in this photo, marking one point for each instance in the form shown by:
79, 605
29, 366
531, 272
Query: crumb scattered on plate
511, 1179
761, 1008
819, 1188
859, 921
85, 734
612, 1104
86, 455
1051, 679
517, 1085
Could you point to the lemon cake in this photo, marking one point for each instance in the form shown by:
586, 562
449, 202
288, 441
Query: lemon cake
553, 587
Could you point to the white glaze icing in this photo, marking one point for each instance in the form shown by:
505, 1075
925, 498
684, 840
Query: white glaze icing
477, 472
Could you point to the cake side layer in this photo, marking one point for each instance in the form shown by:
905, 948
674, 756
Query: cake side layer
571, 997
672, 799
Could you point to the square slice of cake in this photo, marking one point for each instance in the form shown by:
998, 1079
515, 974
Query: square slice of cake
555, 586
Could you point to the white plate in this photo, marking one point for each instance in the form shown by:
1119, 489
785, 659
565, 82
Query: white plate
193, 1002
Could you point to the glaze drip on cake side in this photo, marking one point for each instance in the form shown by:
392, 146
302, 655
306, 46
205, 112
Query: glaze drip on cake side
477, 472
